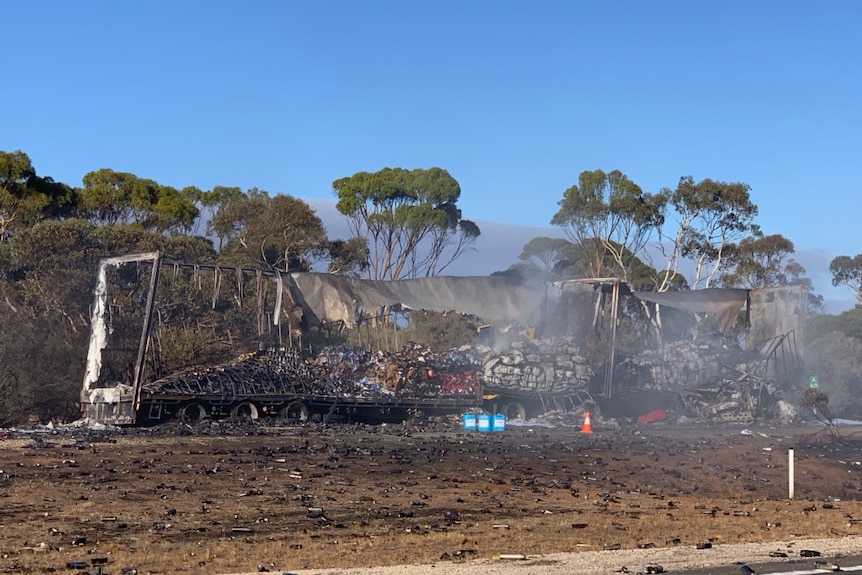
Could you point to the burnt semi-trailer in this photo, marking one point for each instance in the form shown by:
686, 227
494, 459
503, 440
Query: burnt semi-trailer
342, 383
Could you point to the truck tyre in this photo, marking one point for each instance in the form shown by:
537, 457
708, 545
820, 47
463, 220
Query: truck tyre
245, 411
514, 411
295, 411
192, 413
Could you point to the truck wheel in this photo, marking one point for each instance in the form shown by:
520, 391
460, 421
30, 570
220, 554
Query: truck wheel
295, 411
514, 411
245, 411
192, 413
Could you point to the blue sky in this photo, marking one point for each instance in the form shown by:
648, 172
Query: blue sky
515, 99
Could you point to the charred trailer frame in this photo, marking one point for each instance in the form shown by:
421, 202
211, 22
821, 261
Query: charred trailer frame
118, 404
256, 385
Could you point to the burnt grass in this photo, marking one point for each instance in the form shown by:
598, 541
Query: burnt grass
226, 497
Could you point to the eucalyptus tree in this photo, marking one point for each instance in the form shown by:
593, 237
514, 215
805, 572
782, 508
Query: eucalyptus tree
348, 257
174, 211
611, 218
215, 204
545, 253
111, 198
409, 220
26, 198
847, 271
710, 218
760, 261
279, 232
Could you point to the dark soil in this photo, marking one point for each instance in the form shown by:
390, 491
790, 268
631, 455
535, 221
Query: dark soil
222, 497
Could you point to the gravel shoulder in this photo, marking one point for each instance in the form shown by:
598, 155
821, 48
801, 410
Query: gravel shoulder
672, 560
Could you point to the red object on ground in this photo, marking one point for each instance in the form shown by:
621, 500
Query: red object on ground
656, 415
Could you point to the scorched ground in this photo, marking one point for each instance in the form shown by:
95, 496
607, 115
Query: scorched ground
221, 497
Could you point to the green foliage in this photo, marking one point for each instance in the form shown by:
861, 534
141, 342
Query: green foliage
348, 257
408, 218
55, 245
405, 223
173, 210
54, 262
216, 203
48, 260
525, 272
848, 323
834, 357
847, 271
26, 198
556, 258
280, 232
544, 253
611, 218
116, 197
711, 216
111, 198
15, 169
760, 261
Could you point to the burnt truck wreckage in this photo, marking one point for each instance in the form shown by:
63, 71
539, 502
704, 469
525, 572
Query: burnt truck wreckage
534, 362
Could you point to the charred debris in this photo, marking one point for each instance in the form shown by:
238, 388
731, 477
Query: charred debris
713, 355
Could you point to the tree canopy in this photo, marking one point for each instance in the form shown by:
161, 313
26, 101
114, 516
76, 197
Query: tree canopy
26, 198
279, 232
111, 198
409, 219
710, 216
847, 271
760, 262
611, 217
545, 253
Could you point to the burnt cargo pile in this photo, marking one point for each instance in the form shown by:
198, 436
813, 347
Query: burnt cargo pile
338, 382
694, 379
347, 380
548, 366
712, 381
413, 372
344, 372
263, 372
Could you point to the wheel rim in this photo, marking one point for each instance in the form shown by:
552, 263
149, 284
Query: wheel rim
192, 413
245, 411
296, 411
515, 411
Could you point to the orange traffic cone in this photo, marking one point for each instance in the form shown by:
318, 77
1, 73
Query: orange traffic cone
586, 427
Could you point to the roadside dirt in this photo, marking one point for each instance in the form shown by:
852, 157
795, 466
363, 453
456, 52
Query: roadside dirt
220, 498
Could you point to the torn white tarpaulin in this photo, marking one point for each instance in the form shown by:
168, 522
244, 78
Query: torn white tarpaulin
723, 304
98, 325
98, 334
279, 293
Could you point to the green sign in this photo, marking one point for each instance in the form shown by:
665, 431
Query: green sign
812, 382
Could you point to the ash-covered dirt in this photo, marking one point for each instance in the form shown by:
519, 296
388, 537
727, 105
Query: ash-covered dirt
223, 497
